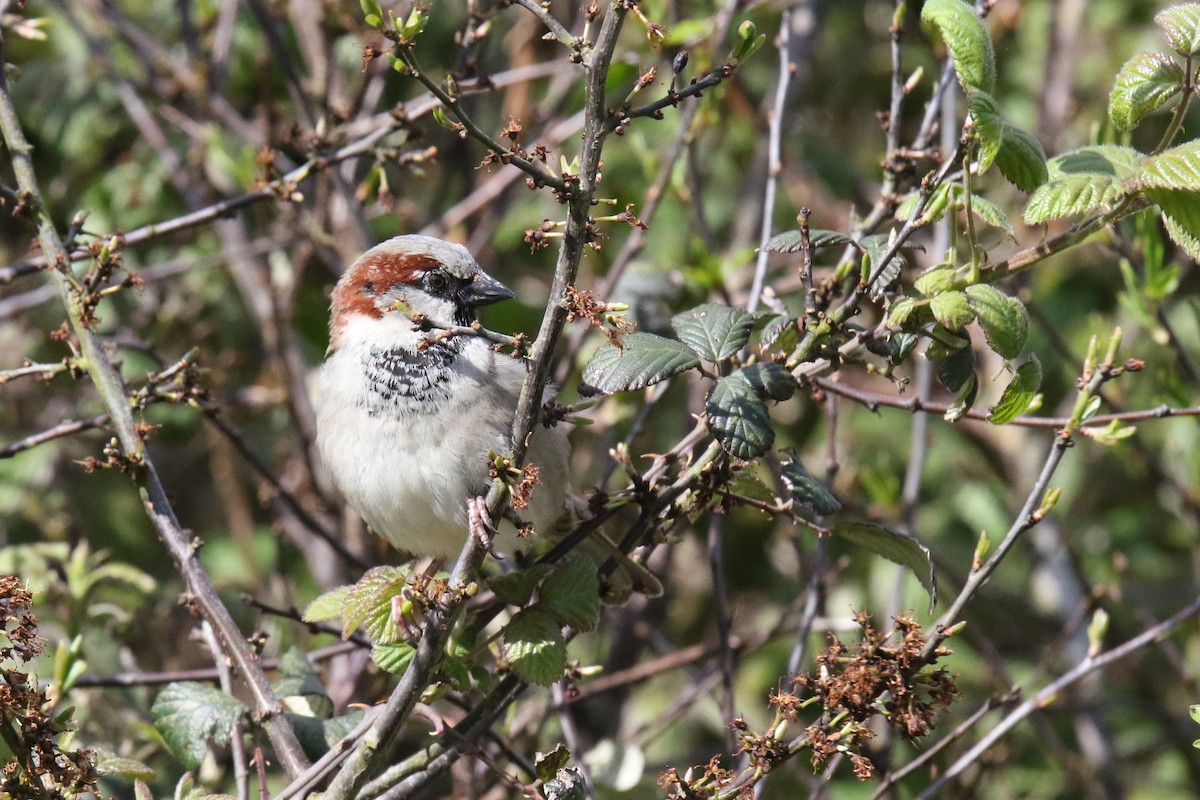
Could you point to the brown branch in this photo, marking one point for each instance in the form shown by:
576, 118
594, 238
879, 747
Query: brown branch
873, 400
107, 380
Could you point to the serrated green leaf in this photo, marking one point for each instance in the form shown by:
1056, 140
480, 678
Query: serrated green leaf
874, 247
643, 359
897, 547
1114, 160
957, 368
1188, 242
1181, 23
299, 686
546, 765
807, 490
936, 280
110, 764
369, 604
989, 126
1021, 159
714, 332
781, 331
963, 400
793, 241
1180, 205
1004, 319
1019, 393
1177, 168
992, 215
900, 345
900, 311
738, 418
1144, 83
571, 593
327, 606
516, 588
952, 310
1073, 195
967, 40
393, 658
534, 646
188, 715
769, 380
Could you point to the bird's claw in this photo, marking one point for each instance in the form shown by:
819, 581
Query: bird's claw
480, 521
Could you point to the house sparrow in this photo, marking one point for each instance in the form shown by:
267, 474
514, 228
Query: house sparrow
405, 418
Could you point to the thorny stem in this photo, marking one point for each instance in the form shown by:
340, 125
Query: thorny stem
111, 388
1180, 109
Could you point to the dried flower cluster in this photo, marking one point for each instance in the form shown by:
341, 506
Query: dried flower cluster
876, 677
38, 768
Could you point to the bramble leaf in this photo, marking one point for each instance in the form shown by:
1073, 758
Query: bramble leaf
807, 490
534, 646
1181, 23
189, 714
393, 658
964, 400
769, 379
738, 417
1144, 83
516, 588
714, 332
957, 368
793, 242
967, 40
1004, 319
572, 594
952, 310
1177, 168
896, 547
1021, 158
1018, 394
643, 359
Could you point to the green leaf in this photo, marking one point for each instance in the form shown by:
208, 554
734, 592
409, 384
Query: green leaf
516, 588
807, 490
1113, 433
1187, 241
393, 658
1181, 23
110, 764
369, 604
1144, 83
1018, 394
781, 331
327, 606
896, 547
299, 686
1073, 195
952, 310
899, 312
769, 380
967, 40
989, 126
957, 368
1021, 159
714, 332
793, 242
874, 247
1004, 319
992, 215
571, 594
900, 345
1177, 168
936, 280
189, 714
1113, 160
963, 400
545, 765
643, 359
534, 646
738, 418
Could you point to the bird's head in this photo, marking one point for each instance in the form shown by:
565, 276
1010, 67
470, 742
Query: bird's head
428, 276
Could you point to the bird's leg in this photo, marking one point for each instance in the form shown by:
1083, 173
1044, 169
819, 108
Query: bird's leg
480, 521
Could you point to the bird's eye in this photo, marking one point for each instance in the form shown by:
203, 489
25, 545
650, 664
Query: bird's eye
437, 281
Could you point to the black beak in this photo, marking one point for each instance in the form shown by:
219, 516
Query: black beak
484, 290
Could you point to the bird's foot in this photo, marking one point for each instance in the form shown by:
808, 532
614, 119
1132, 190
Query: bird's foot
480, 521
